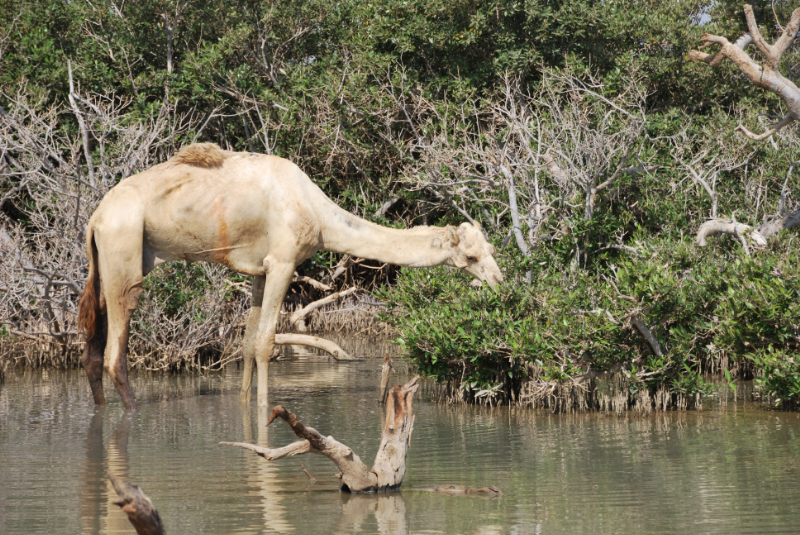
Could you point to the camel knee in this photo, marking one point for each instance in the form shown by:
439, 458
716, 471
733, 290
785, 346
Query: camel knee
264, 346
92, 361
132, 299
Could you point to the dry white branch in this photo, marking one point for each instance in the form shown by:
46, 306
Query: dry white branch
714, 227
313, 341
766, 75
301, 313
312, 282
389, 468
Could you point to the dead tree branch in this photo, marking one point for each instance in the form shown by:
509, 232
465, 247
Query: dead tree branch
313, 341
140, 510
390, 462
766, 75
298, 316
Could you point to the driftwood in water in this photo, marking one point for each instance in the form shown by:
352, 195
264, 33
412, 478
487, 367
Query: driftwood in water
461, 490
390, 463
386, 369
140, 510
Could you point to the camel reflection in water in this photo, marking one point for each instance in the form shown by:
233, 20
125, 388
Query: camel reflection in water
98, 514
264, 484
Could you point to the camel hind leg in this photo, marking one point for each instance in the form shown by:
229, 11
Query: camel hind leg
120, 255
92, 361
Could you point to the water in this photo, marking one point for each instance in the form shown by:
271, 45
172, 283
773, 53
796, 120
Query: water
727, 470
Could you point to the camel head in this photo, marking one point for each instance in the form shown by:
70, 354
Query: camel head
472, 253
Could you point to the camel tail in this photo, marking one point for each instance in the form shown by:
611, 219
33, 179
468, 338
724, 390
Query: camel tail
89, 308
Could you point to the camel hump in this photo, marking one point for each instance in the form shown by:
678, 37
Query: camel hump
201, 155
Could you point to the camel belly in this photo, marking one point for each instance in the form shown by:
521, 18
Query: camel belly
207, 231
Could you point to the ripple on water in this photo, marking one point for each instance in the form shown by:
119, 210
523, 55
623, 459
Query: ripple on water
732, 470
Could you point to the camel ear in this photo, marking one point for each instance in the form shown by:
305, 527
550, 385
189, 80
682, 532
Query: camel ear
476, 225
452, 236
491, 249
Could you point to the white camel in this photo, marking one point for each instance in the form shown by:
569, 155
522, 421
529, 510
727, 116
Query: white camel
258, 215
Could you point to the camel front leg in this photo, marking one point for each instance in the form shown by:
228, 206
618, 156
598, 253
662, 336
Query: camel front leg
249, 342
279, 275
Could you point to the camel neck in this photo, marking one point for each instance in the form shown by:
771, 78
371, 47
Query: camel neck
343, 232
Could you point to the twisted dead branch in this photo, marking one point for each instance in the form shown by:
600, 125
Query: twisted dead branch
140, 510
389, 467
765, 75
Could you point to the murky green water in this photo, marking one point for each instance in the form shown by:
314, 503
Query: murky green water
727, 470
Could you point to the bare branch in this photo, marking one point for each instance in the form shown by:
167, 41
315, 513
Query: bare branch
713, 227
313, 341
767, 76
311, 307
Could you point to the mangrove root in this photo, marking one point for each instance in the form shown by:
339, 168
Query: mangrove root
140, 510
390, 462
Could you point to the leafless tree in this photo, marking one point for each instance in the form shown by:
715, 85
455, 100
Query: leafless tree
55, 175
766, 75
527, 157
172, 17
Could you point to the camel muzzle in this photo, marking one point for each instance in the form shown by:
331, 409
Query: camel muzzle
486, 271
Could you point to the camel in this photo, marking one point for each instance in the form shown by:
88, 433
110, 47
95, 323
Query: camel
256, 214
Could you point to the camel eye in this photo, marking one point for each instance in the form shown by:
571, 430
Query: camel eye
472, 258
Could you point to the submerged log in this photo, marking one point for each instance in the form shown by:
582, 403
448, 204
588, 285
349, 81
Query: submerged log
140, 510
461, 490
390, 462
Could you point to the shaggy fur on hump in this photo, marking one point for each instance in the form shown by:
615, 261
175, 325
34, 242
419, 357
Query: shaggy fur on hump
201, 155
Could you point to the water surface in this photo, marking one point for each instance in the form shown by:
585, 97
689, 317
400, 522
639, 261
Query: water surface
729, 470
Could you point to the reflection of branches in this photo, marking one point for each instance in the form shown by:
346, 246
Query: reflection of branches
389, 511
